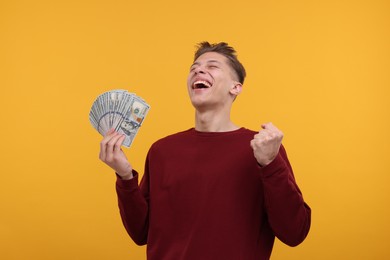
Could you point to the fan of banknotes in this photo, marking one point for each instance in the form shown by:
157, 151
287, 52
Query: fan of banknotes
120, 110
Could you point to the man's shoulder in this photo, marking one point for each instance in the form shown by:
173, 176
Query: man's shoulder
176, 135
173, 137
248, 131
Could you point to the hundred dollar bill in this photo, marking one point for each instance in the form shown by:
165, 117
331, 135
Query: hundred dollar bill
120, 110
131, 122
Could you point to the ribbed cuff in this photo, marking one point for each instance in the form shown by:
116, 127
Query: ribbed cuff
277, 165
127, 184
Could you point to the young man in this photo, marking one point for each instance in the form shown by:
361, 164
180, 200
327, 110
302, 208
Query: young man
215, 191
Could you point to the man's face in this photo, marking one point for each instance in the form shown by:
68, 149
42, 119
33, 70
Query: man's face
212, 82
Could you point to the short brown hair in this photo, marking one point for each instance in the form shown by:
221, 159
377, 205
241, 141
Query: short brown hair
227, 51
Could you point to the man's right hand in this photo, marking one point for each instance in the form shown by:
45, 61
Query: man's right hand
112, 154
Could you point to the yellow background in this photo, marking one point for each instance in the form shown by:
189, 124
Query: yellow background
318, 69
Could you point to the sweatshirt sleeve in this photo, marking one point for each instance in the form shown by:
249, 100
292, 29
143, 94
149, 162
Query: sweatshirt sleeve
133, 206
288, 214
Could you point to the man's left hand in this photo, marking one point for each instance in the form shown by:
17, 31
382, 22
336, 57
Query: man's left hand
266, 144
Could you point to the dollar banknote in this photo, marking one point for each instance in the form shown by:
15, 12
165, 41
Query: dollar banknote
120, 110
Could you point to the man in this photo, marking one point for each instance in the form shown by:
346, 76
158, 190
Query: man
215, 191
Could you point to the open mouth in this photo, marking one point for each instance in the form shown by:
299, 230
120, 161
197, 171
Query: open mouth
201, 84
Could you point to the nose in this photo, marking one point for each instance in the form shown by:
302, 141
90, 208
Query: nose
199, 70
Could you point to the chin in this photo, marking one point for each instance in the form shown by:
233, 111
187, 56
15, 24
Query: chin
201, 105
198, 103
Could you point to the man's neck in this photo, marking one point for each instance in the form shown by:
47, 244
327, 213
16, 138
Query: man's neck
213, 121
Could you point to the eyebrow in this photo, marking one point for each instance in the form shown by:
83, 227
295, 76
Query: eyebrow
208, 61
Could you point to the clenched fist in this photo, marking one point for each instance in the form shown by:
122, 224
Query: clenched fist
266, 143
112, 154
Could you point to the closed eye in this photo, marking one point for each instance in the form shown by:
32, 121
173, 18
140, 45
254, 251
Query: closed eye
194, 66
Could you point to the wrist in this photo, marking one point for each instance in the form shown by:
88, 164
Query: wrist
264, 162
127, 176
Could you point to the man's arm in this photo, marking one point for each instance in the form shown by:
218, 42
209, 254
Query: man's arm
133, 207
133, 203
288, 214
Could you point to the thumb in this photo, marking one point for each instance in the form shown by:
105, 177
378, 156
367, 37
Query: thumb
267, 125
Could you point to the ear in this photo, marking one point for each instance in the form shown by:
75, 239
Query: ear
236, 89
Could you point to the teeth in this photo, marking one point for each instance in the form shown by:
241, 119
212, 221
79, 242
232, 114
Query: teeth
207, 84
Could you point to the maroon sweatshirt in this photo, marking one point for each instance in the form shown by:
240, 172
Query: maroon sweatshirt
204, 196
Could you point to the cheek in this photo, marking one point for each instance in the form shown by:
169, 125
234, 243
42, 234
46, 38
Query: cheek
189, 78
224, 85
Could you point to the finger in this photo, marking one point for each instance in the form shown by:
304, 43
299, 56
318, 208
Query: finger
267, 125
109, 132
114, 147
263, 133
102, 153
118, 144
257, 142
104, 145
273, 129
252, 144
111, 143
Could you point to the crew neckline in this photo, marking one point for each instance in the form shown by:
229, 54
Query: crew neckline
201, 133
